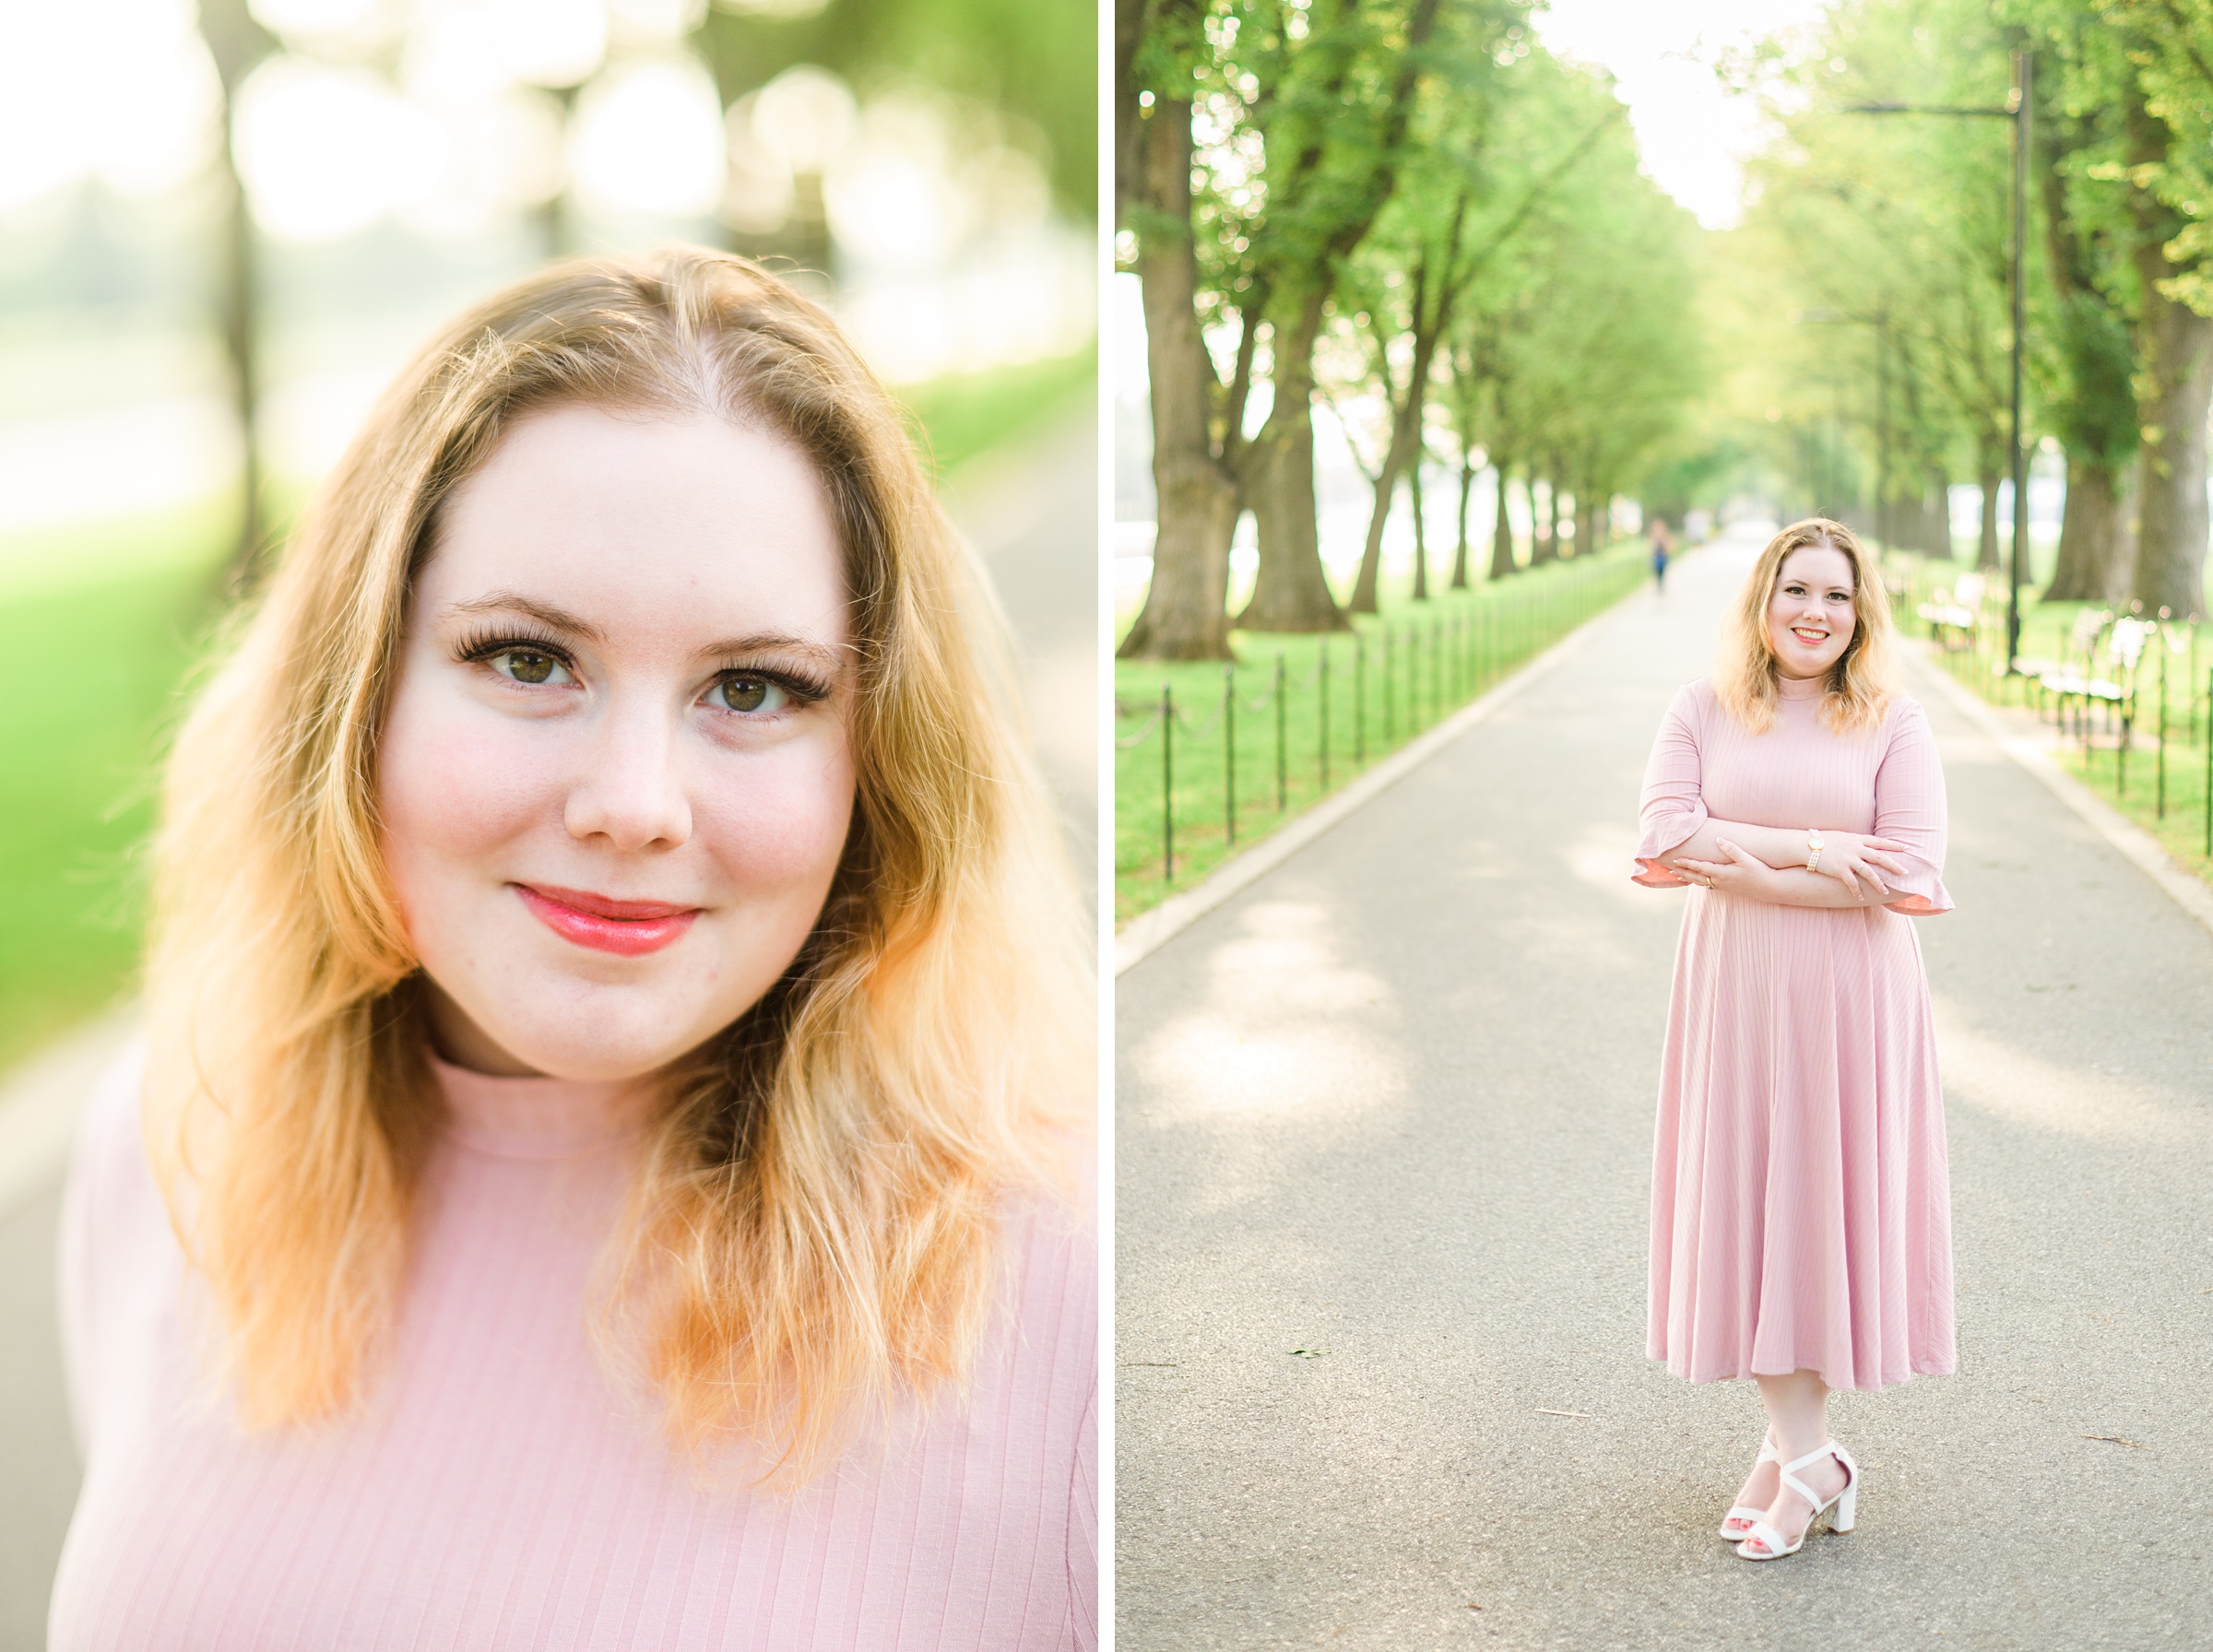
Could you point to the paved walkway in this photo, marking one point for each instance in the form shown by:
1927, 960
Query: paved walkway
1392, 1106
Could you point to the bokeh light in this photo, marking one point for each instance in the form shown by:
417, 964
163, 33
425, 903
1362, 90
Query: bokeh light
649, 138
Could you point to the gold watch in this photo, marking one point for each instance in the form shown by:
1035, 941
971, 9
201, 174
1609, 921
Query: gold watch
1814, 846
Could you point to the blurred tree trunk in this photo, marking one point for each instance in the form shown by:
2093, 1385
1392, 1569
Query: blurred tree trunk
1460, 552
1545, 532
1986, 475
1588, 509
1290, 593
2096, 417
2089, 567
1502, 523
2171, 511
237, 43
1185, 616
1421, 540
1934, 515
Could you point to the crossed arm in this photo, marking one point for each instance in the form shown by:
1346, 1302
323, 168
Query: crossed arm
1767, 863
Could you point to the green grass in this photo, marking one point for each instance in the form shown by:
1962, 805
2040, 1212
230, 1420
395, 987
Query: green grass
1442, 653
972, 413
2174, 812
93, 641
100, 621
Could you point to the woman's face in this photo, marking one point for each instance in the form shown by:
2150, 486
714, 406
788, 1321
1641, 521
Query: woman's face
616, 777
1810, 616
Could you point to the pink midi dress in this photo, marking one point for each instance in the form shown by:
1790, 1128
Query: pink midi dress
1801, 1204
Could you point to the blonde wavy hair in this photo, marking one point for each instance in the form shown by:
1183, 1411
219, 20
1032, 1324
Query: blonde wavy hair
1865, 676
811, 1230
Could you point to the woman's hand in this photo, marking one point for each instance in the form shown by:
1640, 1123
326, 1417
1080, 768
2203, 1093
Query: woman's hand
1858, 862
1739, 875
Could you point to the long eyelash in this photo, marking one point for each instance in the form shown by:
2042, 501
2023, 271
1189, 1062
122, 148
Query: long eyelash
485, 644
808, 691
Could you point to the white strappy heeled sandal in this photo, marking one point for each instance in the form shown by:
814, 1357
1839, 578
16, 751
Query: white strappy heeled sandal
1740, 1516
1770, 1542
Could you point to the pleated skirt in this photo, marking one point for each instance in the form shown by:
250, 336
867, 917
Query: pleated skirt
1801, 1201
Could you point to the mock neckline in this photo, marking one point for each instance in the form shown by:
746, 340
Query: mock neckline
1801, 688
536, 1119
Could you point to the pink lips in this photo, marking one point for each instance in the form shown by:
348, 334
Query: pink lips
630, 928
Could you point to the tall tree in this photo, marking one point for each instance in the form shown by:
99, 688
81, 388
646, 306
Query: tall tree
1185, 614
2169, 106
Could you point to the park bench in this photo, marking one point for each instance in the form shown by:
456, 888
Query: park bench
2064, 679
2115, 688
1956, 613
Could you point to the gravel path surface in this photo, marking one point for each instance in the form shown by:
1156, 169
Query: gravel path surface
1392, 1106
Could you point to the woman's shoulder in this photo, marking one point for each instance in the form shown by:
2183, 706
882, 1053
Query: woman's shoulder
1903, 715
1695, 701
120, 1260
1051, 1235
111, 1184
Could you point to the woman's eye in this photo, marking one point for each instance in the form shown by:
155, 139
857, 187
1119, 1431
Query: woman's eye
529, 665
742, 694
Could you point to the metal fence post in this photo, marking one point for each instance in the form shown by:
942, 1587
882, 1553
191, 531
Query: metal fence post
1325, 713
1359, 699
1168, 783
1283, 748
1389, 721
1229, 748
2161, 812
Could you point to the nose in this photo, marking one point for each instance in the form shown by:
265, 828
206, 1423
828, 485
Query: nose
631, 793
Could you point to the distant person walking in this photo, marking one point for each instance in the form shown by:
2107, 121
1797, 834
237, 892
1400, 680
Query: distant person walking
1801, 1205
1662, 546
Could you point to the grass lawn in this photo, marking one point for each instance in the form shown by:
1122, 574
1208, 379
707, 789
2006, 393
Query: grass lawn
1395, 675
95, 634
100, 621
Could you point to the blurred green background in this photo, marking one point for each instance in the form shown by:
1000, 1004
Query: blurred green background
242, 218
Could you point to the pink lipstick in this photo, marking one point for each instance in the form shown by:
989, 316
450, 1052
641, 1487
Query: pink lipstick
630, 928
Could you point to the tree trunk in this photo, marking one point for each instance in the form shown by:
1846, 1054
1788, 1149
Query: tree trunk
1935, 516
1405, 453
1290, 592
1502, 526
1371, 553
1986, 473
1460, 554
1185, 615
238, 44
1421, 540
1542, 528
2177, 367
2089, 568
1589, 513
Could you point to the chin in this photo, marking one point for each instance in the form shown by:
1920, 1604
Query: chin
616, 1035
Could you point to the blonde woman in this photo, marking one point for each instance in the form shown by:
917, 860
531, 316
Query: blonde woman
603, 1169
1800, 1210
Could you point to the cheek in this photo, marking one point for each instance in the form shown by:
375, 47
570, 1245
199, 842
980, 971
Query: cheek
455, 787
779, 821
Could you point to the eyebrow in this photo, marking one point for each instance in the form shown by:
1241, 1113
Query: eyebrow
572, 625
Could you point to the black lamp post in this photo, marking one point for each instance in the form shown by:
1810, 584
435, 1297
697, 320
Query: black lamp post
2017, 109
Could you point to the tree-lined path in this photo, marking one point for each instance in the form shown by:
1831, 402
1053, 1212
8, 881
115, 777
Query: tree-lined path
1392, 1106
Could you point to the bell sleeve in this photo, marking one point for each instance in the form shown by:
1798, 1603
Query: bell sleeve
1672, 807
1910, 810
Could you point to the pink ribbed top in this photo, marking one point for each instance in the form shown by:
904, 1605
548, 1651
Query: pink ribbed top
500, 1491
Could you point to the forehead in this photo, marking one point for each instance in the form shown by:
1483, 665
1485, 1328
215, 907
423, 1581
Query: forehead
1817, 565
679, 523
